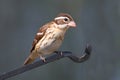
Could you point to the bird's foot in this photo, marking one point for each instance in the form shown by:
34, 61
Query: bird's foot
58, 52
42, 58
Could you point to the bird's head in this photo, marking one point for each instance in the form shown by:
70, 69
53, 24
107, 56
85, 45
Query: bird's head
64, 20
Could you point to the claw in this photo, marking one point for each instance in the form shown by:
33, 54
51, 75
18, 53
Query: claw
42, 58
58, 52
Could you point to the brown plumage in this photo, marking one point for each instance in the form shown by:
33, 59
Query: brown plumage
49, 37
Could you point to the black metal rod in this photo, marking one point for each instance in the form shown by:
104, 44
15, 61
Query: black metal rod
49, 59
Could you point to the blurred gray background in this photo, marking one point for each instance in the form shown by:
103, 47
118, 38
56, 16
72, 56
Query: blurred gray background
98, 23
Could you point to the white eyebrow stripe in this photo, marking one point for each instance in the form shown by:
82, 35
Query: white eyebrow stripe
60, 18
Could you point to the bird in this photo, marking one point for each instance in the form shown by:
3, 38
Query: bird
49, 37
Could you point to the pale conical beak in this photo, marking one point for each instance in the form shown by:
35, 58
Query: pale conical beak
72, 24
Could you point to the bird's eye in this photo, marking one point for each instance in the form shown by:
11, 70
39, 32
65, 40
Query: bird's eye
66, 19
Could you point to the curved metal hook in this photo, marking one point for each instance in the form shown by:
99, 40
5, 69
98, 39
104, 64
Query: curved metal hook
82, 58
75, 58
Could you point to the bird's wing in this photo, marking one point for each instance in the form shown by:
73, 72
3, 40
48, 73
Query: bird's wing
39, 35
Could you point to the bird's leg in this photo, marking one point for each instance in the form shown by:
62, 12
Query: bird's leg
58, 52
42, 58
61, 53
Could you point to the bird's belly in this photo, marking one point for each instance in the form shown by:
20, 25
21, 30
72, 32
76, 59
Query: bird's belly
50, 42
49, 46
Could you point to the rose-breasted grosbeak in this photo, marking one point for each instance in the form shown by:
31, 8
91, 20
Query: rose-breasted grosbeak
49, 37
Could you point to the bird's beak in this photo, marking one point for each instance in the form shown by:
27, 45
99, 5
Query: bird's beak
72, 24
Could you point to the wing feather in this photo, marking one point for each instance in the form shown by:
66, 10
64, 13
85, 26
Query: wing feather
39, 35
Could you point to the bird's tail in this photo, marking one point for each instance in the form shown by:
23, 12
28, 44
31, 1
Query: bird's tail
30, 58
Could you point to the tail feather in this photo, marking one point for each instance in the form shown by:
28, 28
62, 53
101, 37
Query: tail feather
29, 60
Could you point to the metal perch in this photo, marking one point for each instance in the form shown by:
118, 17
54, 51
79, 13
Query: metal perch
49, 59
